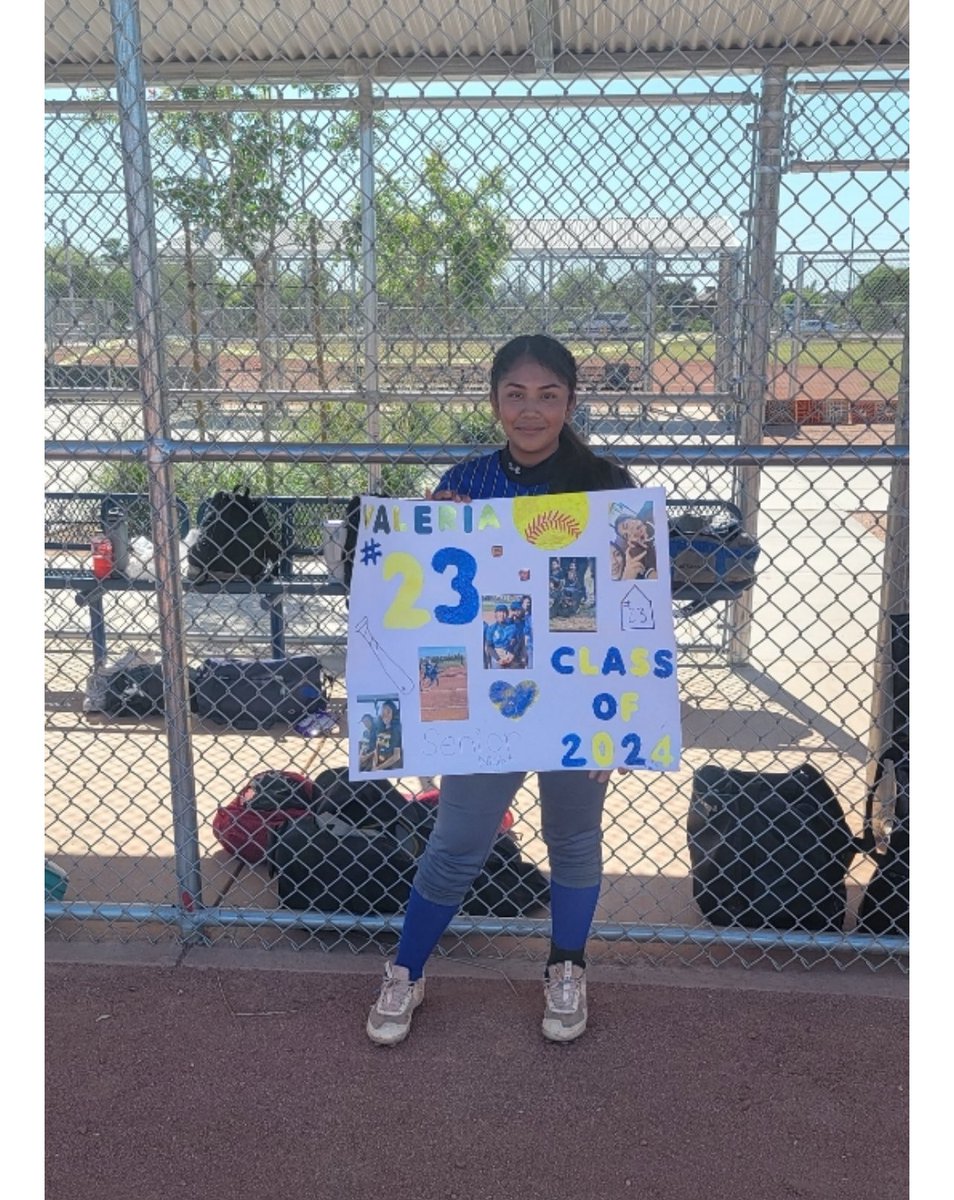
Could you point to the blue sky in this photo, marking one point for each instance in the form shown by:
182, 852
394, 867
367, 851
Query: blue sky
596, 160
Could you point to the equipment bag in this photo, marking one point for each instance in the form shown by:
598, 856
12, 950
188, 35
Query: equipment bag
239, 538
711, 560
267, 802
256, 693
357, 852
508, 885
768, 849
134, 692
324, 862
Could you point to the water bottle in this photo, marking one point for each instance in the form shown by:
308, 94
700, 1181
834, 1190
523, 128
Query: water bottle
116, 528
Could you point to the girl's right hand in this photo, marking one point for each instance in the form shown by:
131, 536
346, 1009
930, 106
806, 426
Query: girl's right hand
455, 497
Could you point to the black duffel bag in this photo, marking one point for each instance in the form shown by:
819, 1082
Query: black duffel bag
135, 692
325, 862
357, 852
768, 850
138, 691
256, 693
508, 885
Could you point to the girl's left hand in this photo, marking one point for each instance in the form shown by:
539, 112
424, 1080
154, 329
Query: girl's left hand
605, 776
456, 497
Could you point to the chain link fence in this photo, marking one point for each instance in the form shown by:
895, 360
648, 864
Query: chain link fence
281, 251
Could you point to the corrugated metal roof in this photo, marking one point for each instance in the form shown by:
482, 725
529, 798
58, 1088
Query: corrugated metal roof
558, 236
295, 39
621, 235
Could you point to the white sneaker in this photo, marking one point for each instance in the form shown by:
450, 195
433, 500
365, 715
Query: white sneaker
564, 991
389, 1021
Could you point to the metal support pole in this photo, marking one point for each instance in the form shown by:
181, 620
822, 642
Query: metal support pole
725, 305
757, 328
649, 342
796, 341
134, 137
68, 264
370, 378
895, 571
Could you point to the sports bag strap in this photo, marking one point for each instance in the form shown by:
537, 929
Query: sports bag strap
866, 843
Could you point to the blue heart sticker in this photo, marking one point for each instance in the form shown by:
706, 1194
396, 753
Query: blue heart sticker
513, 702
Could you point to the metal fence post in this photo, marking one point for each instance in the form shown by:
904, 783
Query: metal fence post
757, 332
371, 338
895, 584
134, 135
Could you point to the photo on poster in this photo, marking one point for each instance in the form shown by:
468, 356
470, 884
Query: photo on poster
507, 636
572, 595
442, 671
633, 543
380, 742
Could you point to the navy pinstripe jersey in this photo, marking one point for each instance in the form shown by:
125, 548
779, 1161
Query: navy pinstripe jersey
488, 477
485, 478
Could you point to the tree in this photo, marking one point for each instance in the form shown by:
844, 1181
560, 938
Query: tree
80, 279
879, 303
809, 303
441, 245
234, 180
71, 274
577, 293
230, 171
675, 303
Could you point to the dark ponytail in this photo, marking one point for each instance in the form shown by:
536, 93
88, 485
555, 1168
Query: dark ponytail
580, 470
583, 471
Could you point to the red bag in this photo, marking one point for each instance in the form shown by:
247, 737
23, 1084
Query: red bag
271, 798
266, 802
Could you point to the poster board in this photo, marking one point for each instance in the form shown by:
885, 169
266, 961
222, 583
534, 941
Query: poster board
532, 634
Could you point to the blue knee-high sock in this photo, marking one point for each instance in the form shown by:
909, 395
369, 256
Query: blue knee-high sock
571, 915
424, 922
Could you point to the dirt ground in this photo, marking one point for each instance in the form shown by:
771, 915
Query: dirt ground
203, 1079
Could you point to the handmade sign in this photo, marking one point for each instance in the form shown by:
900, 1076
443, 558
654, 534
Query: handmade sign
529, 634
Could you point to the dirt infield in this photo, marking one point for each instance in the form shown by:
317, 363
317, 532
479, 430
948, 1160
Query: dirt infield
173, 1082
242, 372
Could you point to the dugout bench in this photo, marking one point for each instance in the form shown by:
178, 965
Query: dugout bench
707, 568
72, 520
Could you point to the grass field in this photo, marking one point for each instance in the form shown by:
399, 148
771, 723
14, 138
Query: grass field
859, 368
874, 356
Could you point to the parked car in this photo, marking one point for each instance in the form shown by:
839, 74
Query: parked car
604, 324
817, 326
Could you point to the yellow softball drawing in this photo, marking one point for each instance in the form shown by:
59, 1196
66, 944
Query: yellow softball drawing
551, 522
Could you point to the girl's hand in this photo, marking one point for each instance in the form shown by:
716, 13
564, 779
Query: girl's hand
605, 776
456, 497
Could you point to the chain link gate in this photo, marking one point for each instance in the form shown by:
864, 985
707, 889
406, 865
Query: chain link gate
282, 246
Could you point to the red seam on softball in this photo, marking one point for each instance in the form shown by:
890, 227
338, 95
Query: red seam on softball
550, 520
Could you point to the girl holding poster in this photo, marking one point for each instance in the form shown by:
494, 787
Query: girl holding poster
533, 394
